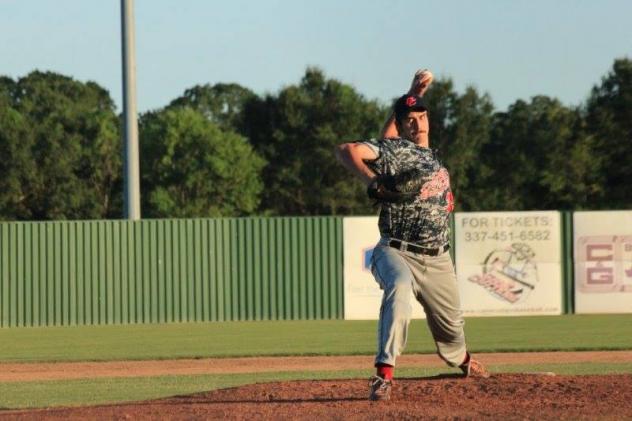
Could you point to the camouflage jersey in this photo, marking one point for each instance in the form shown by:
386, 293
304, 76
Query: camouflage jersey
426, 220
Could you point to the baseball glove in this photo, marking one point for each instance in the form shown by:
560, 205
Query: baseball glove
400, 188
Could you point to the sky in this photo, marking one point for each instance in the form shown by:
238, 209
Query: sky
510, 49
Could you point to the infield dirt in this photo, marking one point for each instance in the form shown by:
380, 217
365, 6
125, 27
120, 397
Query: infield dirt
503, 396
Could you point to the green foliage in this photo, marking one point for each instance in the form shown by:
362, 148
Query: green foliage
468, 134
62, 153
222, 103
192, 168
518, 153
62, 140
526, 163
609, 122
296, 132
17, 169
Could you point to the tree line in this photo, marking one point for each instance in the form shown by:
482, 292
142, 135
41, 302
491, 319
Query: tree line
222, 150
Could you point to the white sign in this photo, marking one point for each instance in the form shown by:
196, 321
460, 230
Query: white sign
603, 261
362, 295
509, 263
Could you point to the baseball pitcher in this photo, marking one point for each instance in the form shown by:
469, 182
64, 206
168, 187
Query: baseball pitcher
412, 187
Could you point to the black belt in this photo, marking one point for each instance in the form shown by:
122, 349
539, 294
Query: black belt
399, 245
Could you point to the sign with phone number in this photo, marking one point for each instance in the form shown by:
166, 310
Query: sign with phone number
539, 235
509, 263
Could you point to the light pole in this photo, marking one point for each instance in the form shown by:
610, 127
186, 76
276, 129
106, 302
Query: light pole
130, 129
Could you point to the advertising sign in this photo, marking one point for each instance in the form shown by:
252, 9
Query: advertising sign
603, 261
362, 295
509, 263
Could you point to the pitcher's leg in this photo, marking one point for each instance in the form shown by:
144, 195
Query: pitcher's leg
439, 294
395, 278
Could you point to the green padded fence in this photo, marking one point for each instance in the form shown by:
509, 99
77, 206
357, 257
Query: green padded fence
153, 271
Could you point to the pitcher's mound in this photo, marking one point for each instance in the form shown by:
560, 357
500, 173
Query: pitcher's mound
503, 396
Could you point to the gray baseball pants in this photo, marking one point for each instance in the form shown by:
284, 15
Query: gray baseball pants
432, 281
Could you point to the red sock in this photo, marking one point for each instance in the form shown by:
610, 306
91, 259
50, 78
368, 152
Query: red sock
467, 358
385, 371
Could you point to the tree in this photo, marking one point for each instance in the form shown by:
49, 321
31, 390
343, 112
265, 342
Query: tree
66, 145
296, 132
7, 90
16, 166
537, 158
609, 122
469, 132
192, 168
222, 103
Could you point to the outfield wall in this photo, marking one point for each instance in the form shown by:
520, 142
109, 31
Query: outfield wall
160, 271
156, 271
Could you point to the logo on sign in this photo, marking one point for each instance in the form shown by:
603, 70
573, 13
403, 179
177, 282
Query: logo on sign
509, 274
604, 263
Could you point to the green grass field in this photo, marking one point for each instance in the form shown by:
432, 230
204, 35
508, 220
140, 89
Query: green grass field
231, 339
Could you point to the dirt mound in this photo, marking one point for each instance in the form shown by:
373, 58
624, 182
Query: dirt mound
503, 396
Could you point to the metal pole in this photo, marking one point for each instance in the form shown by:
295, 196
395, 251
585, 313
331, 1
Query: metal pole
130, 132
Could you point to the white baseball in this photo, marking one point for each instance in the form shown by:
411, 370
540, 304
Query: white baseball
425, 76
